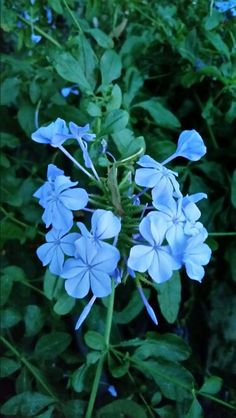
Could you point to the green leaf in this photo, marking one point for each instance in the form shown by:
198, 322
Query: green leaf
74, 408
9, 91
49, 284
10, 317
195, 410
8, 366
9, 230
218, 43
101, 38
6, 284
64, 304
88, 60
81, 378
8, 140
126, 142
116, 120
25, 118
110, 66
233, 189
134, 82
56, 5
94, 340
168, 346
167, 411
174, 380
120, 408
161, 115
34, 320
169, 297
132, 309
49, 346
115, 99
26, 404
47, 414
70, 70
212, 385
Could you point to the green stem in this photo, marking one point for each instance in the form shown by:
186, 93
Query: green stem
98, 373
44, 34
12, 218
222, 234
72, 16
29, 366
213, 398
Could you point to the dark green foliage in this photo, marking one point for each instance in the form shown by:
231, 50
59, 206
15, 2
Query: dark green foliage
148, 71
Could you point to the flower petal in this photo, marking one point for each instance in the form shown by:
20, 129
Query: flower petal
105, 224
100, 283
140, 258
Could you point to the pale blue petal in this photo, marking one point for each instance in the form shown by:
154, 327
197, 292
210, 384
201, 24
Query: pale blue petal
192, 212
43, 135
147, 177
190, 145
148, 307
145, 230
105, 224
78, 286
100, 283
53, 171
158, 227
85, 312
67, 243
62, 218
62, 183
194, 271
85, 249
47, 214
74, 199
84, 230
57, 261
45, 253
175, 236
157, 192
149, 162
72, 268
200, 254
140, 258
161, 267
196, 197
106, 259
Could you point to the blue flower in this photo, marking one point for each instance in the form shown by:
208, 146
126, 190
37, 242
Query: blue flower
155, 258
66, 91
35, 38
58, 199
171, 211
224, 6
81, 132
104, 225
190, 145
156, 175
54, 134
196, 254
58, 244
93, 268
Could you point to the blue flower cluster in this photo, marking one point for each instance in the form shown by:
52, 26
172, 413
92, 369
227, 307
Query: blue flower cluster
170, 234
226, 7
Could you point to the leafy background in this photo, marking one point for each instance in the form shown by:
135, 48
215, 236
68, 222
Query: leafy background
144, 70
